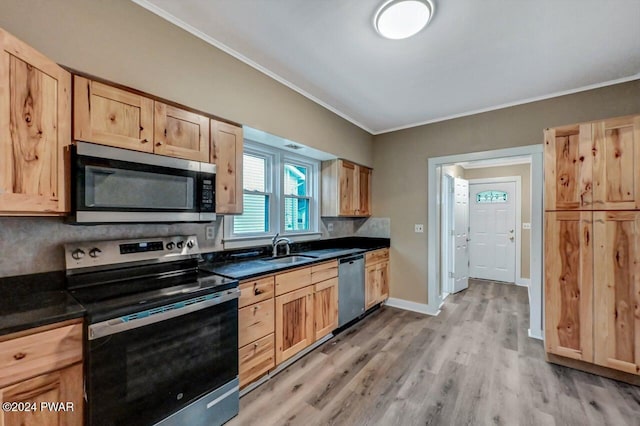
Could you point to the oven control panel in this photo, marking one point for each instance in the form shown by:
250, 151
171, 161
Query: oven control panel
104, 253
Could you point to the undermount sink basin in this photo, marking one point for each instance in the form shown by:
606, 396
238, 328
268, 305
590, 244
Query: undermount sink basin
293, 258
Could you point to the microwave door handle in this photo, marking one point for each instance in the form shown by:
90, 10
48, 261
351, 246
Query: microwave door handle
119, 325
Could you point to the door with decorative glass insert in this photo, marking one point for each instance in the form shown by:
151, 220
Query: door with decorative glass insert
492, 231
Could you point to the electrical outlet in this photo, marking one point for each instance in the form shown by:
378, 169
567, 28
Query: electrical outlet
526, 226
330, 227
419, 227
210, 232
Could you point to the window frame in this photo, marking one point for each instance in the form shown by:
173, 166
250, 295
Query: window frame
275, 183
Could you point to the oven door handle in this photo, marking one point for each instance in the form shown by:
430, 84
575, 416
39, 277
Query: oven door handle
152, 316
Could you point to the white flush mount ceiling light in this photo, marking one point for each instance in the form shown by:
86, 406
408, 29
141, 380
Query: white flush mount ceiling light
398, 19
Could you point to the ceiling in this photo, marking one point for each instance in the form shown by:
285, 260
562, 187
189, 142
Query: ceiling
473, 56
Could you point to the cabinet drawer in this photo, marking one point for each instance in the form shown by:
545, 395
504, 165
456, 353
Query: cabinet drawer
255, 322
257, 290
39, 353
376, 256
290, 281
256, 359
324, 271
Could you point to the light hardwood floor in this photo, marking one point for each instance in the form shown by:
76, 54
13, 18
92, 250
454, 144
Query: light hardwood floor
472, 365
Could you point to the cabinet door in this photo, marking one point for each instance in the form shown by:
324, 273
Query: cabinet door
325, 309
347, 188
371, 286
568, 168
364, 191
294, 323
616, 168
110, 116
35, 128
569, 284
226, 154
61, 386
383, 277
180, 133
617, 290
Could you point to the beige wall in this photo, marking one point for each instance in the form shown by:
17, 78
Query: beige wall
400, 163
524, 171
122, 42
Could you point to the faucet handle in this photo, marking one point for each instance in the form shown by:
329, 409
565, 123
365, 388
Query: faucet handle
273, 241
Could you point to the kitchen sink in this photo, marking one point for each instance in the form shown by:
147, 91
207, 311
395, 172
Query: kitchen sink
292, 258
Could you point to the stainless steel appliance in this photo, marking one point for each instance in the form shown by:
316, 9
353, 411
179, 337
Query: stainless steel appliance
350, 288
111, 185
161, 336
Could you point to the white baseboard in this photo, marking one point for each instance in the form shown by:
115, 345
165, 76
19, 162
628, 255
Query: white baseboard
523, 282
408, 305
536, 334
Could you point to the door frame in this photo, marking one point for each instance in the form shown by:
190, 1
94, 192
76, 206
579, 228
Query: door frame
434, 172
446, 238
518, 280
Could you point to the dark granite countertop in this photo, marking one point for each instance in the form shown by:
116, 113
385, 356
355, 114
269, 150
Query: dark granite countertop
28, 301
250, 263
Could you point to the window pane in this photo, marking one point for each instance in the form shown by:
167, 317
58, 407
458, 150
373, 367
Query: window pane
491, 197
296, 214
254, 173
295, 180
255, 216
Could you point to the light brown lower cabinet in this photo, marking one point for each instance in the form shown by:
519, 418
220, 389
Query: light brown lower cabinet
294, 323
376, 277
53, 398
42, 366
617, 290
325, 309
569, 284
592, 287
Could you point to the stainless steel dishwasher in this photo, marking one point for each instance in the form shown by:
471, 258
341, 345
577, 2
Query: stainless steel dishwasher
350, 288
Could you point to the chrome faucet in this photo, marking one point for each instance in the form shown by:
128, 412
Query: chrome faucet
275, 242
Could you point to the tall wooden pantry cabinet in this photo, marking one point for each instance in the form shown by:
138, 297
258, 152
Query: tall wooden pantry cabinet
592, 243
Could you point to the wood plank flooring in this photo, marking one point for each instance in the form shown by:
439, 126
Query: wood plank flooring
472, 365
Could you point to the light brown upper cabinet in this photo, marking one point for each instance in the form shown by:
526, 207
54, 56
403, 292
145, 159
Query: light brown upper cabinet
346, 189
180, 133
616, 166
568, 168
617, 290
111, 116
35, 129
226, 153
569, 284
593, 166
116, 117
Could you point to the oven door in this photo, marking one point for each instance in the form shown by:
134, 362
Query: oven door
144, 367
117, 185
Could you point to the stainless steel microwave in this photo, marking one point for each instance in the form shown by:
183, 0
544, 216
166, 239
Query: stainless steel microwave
113, 185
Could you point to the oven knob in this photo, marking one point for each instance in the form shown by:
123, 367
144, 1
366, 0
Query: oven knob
95, 252
171, 245
180, 244
77, 254
190, 244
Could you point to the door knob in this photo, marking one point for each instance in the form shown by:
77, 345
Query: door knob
512, 231
511, 238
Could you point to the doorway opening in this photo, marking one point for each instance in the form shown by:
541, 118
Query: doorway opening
485, 222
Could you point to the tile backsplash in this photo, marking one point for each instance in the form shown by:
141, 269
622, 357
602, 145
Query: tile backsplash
32, 245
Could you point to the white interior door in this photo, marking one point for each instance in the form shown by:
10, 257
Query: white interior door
448, 254
461, 235
492, 224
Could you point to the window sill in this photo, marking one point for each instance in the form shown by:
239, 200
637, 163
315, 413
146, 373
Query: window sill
246, 242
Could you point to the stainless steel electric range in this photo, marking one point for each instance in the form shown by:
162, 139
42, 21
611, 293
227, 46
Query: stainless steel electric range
161, 336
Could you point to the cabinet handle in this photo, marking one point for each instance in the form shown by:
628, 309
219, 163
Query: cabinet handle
256, 290
255, 308
255, 345
144, 141
19, 356
158, 143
